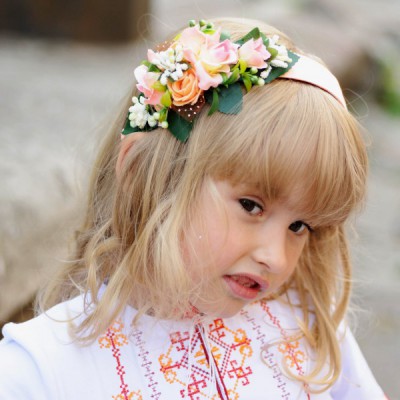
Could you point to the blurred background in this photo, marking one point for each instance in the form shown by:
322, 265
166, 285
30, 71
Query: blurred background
65, 66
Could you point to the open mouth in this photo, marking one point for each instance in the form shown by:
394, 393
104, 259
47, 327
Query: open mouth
245, 281
245, 286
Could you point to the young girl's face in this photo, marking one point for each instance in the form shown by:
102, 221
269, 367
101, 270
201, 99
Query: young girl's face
241, 248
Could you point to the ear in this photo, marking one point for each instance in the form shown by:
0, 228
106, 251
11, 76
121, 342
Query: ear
126, 143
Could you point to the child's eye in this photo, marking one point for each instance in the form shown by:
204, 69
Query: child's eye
299, 227
251, 206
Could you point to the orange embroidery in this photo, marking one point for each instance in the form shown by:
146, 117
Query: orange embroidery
131, 396
293, 356
114, 339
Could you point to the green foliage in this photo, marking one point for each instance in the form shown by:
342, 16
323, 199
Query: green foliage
214, 102
230, 99
277, 72
253, 34
179, 126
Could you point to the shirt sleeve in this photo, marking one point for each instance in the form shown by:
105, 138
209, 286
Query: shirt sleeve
20, 378
356, 380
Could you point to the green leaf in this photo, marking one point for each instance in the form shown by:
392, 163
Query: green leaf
215, 102
154, 68
148, 64
253, 34
166, 99
230, 99
224, 35
265, 40
127, 130
277, 72
234, 77
163, 114
242, 66
247, 82
157, 85
179, 126
273, 52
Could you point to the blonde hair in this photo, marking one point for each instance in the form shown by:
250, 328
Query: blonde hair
131, 234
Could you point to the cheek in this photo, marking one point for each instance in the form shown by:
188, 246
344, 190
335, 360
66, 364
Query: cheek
296, 251
205, 251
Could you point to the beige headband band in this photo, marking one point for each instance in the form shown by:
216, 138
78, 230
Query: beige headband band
310, 71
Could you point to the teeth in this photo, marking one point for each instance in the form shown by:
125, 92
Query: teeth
245, 281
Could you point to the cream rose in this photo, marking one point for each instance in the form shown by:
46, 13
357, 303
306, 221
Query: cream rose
186, 90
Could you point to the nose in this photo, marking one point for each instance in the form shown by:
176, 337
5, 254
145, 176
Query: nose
271, 250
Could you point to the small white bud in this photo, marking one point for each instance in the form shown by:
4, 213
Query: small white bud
156, 116
135, 100
253, 70
260, 82
164, 124
163, 80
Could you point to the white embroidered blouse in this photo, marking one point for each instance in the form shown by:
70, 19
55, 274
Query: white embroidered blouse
239, 358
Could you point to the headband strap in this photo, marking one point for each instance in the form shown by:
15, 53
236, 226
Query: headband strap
310, 71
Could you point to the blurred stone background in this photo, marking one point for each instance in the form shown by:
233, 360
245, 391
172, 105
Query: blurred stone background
66, 65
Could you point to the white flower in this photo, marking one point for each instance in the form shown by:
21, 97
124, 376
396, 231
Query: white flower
164, 124
152, 121
138, 114
266, 72
169, 61
282, 59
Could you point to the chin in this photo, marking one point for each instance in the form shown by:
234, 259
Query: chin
224, 310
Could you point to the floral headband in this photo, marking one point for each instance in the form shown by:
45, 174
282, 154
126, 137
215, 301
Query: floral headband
202, 65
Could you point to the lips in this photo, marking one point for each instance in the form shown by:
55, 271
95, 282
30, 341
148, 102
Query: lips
245, 286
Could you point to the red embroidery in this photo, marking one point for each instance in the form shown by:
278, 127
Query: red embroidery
276, 372
114, 339
289, 348
229, 349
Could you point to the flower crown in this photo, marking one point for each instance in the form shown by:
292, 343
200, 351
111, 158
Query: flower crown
202, 65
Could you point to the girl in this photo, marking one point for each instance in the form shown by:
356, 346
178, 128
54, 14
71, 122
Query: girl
213, 262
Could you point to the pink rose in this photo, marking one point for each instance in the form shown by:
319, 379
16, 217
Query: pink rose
208, 55
254, 53
213, 60
145, 81
193, 40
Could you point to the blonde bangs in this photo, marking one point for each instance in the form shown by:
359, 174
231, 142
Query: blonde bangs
290, 138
